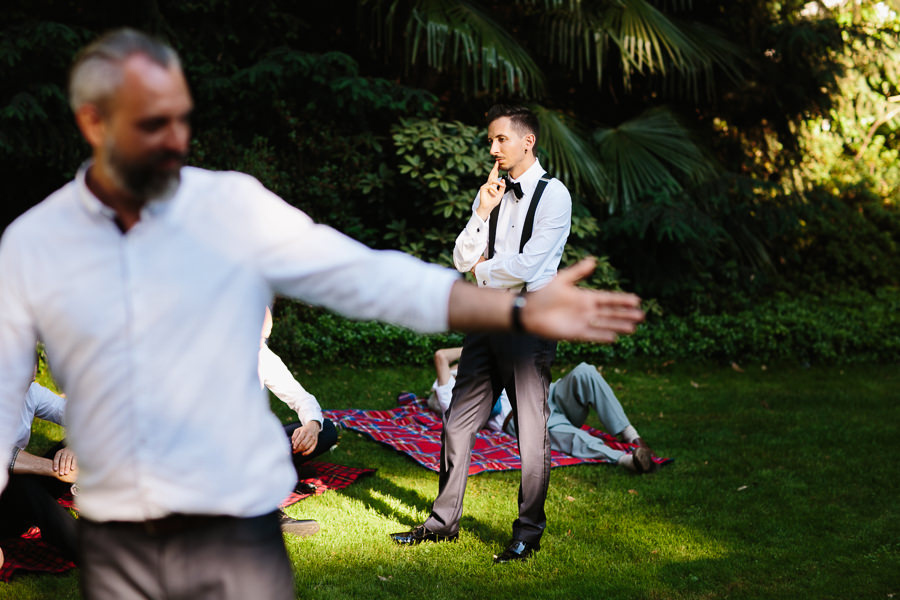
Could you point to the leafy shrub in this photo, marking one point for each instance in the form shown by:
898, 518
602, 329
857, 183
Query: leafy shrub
842, 328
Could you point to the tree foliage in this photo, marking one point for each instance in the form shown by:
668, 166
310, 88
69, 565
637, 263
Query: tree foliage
717, 151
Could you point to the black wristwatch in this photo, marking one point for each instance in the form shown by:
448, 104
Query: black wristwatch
518, 304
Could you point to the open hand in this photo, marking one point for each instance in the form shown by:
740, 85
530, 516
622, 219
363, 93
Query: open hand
560, 310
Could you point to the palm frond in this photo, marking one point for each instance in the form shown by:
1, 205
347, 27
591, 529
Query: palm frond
458, 34
684, 55
645, 153
647, 39
715, 52
569, 155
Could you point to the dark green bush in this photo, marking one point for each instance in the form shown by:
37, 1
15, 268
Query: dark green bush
842, 328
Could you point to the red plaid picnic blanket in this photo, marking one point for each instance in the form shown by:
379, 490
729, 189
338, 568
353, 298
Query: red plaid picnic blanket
29, 552
325, 476
415, 430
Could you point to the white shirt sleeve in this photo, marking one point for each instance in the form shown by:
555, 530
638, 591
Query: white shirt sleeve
275, 375
471, 243
443, 393
42, 403
18, 337
321, 266
495, 423
48, 405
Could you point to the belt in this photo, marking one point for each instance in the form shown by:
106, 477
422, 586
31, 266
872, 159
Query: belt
172, 524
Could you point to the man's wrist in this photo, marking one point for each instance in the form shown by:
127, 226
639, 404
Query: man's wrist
12, 461
518, 306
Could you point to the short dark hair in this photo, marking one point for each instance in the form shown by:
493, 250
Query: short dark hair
97, 71
522, 118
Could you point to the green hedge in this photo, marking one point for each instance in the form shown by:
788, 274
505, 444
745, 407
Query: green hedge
843, 328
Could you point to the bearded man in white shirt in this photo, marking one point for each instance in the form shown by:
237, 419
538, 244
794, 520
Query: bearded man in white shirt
181, 462
513, 242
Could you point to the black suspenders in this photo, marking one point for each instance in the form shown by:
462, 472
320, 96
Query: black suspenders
529, 217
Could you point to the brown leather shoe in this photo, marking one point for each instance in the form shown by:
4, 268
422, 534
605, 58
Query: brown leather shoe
420, 534
642, 458
642, 444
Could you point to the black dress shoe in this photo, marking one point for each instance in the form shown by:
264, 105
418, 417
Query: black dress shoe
305, 488
517, 550
297, 527
421, 534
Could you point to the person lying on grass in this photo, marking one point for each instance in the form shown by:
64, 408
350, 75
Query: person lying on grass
570, 400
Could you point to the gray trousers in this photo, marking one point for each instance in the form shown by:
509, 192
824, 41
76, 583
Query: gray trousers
571, 398
489, 363
185, 557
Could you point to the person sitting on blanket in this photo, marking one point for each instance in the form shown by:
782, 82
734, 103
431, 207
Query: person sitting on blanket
310, 436
570, 399
35, 482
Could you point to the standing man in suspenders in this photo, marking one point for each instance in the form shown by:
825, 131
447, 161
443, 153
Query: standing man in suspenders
513, 241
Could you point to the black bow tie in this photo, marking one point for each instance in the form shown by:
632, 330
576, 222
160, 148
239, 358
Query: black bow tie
515, 186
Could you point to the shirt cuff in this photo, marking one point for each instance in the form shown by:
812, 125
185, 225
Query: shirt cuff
476, 227
483, 274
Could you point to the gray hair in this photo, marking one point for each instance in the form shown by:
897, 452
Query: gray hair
96, 73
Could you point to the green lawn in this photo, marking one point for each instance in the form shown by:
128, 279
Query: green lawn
784, 486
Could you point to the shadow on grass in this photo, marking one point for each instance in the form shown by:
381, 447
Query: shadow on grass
383, 496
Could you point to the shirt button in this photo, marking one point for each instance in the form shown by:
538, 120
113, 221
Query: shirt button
484, 283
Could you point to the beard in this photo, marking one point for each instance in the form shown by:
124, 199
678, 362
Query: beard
146, 178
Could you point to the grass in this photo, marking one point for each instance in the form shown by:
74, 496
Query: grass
784, 486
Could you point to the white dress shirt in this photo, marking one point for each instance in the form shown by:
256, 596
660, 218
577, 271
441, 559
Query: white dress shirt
42, 403
537, 264
154, 335
274, 375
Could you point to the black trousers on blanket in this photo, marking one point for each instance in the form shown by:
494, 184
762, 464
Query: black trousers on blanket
327, 439
490, 362
30, 501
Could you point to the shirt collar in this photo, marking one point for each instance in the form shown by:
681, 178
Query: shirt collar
90, 202
528, 180
95, 206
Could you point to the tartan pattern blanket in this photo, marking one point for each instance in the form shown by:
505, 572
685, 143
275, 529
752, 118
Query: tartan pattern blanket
31, 553
325, 476
415, 430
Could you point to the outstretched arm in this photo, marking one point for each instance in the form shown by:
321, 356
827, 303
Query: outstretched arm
560, 310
